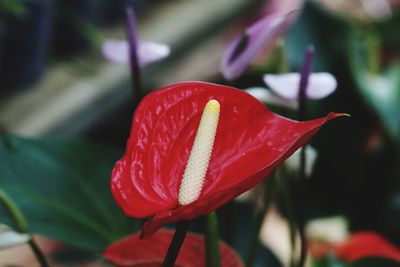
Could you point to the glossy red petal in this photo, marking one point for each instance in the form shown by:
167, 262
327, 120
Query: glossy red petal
131, 251
366, 244
250, 142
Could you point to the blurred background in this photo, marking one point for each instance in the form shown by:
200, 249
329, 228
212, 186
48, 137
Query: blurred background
54, 84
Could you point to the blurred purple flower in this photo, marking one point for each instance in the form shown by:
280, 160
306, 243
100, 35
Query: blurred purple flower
133, 51
282, 6
261, 35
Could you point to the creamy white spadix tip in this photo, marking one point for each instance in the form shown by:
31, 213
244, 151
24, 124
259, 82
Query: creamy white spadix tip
197, 165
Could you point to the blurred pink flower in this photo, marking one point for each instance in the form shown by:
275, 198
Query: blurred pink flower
260, 36
281, 6
243, 49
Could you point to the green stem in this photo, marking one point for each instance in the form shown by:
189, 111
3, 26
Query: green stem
176, 243
302, 209
212, 240
255, 237
302, 114
373, 57
282, 57
21, 225
287, 198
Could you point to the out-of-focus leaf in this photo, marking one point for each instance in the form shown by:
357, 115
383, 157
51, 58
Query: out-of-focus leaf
381, 91
62, 187
315, 28
374, 262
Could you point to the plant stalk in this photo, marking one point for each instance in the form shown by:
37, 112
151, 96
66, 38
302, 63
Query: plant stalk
176, 243
255, 236
137, 92
212, 240
302, 115
21, 225
133, 40
38, 253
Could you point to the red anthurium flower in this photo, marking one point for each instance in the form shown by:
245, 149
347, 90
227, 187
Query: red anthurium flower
132, 251
366, 244
250, 141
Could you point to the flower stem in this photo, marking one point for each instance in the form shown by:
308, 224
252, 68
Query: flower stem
212, 240
38, 253
305, 74
132, 34
21, 225
302, 210
137, 92
255, 237
282, 57
373, 45
176, 243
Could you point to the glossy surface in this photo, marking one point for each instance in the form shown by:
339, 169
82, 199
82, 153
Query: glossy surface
131, 251
250, 142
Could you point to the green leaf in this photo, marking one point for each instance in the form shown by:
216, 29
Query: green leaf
380, 90
313, 27
62, 187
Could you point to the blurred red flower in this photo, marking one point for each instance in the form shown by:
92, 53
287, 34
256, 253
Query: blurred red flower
366, 244
250, 142
131, 251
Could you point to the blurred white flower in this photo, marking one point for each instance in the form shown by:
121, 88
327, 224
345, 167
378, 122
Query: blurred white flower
268, 97
332, 230
133, 51
286, 85
10, 238
117, 51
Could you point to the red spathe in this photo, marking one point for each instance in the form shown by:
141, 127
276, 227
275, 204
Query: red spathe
366, 244
131, 251
250, 142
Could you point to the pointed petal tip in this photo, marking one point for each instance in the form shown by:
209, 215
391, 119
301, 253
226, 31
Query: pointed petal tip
334, 115
116, 51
